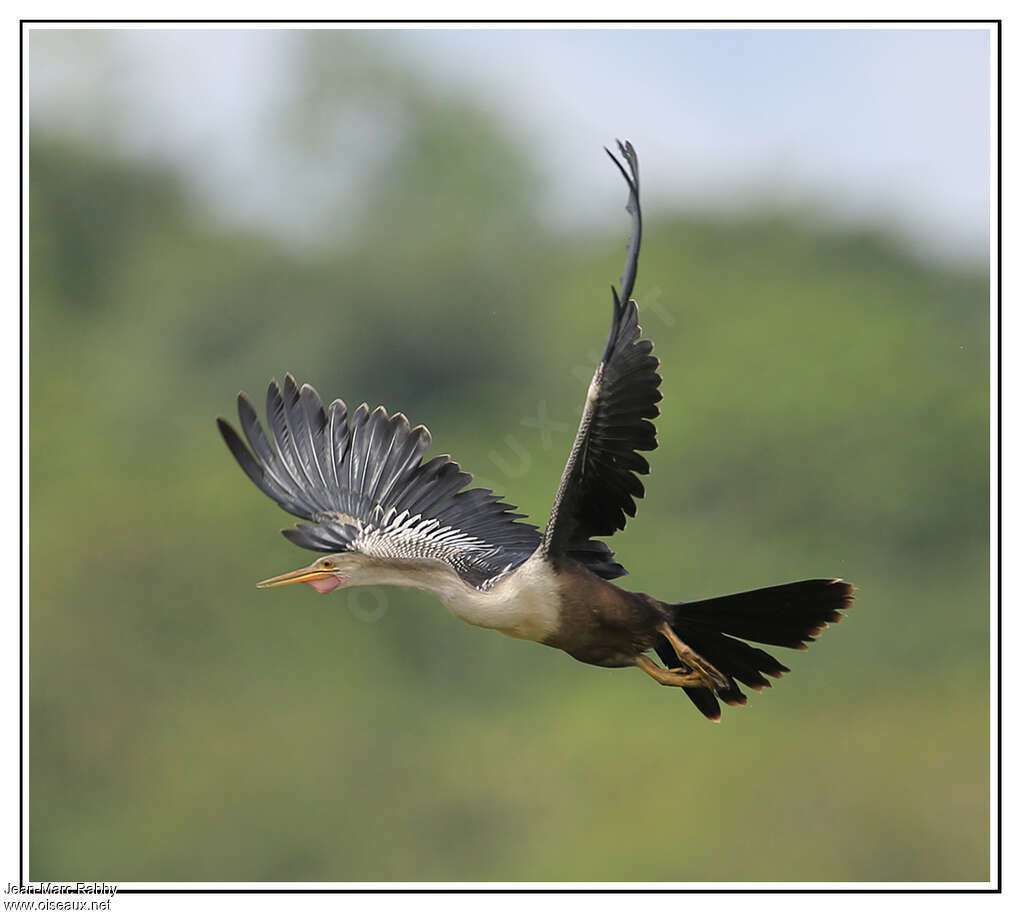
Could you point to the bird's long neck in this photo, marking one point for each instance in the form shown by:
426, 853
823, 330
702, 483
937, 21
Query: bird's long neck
431, 576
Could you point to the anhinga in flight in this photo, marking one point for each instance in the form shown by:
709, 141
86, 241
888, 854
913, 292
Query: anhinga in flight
383, 516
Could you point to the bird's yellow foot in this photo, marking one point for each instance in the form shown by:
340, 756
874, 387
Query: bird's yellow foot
675, 677
711, 676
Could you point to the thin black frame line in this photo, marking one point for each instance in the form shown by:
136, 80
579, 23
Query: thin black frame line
998, 139
21, 458
564, 890
517, 21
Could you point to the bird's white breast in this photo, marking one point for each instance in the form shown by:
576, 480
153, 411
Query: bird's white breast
524, 604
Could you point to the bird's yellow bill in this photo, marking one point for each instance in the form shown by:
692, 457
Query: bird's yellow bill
306, 574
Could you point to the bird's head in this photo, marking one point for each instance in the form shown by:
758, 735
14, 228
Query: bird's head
325, 574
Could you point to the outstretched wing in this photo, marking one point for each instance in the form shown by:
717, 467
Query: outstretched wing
362, 481
600, 485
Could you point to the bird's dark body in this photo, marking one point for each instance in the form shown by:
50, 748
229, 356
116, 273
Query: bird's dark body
600, 623
387, 517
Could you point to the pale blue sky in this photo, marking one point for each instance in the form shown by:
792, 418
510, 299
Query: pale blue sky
872, 125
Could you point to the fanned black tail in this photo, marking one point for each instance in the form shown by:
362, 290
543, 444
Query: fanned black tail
784, 615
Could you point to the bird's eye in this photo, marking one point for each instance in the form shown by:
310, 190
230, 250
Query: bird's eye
327, 564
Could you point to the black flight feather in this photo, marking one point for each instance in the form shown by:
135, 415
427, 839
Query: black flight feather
599, 486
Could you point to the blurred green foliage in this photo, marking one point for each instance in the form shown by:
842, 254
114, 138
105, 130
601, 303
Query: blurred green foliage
825, 413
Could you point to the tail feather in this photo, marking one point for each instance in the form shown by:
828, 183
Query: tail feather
783, 615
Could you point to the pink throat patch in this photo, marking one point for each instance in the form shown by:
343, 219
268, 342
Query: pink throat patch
326, 585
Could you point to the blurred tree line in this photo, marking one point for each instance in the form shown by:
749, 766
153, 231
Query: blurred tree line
825, 413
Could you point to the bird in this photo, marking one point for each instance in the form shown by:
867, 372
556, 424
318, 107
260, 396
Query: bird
381, 515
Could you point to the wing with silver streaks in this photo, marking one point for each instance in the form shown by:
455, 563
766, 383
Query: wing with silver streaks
361, 480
